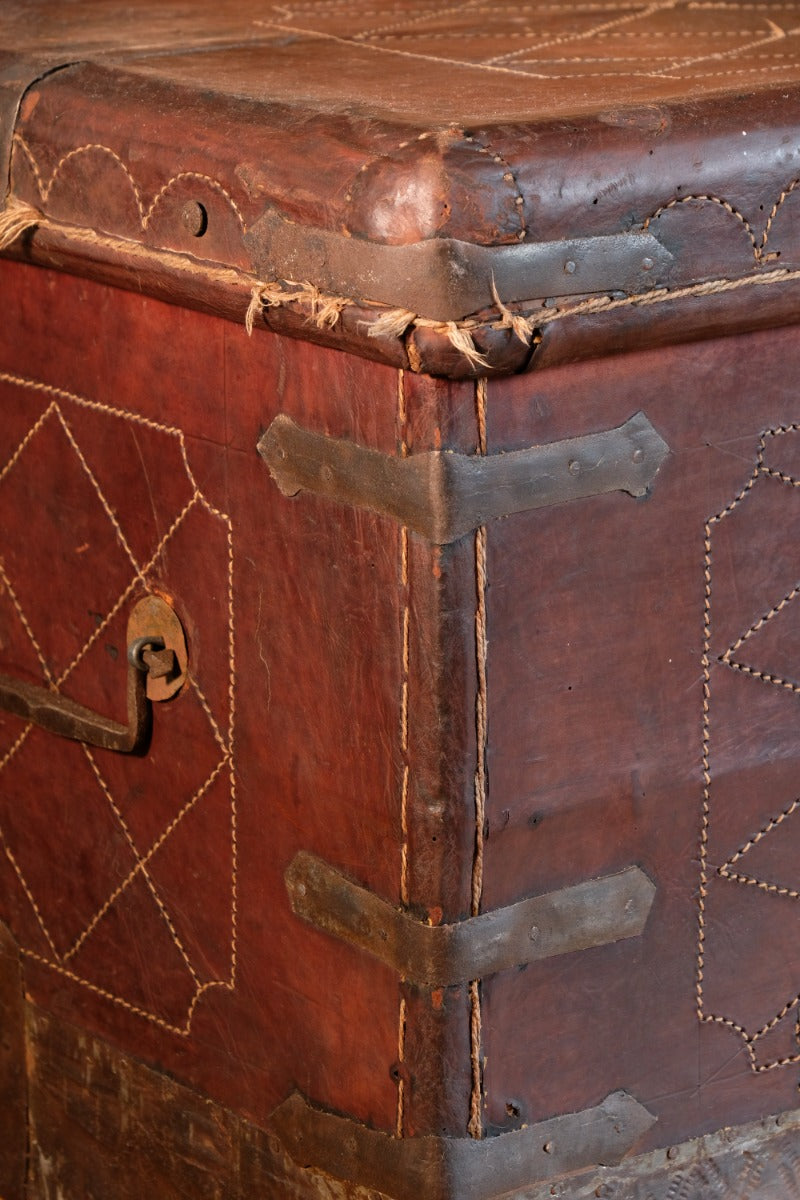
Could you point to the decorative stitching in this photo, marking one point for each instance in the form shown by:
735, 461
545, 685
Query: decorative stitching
145, 215
771, 824
750, 1040
107, 509
475, 1125
405, 601
728, 207
26, 626
226, 520
23, 882
226, 760
401, 1083
45, 188
140, 867
214, 183
34, 429
509, 176
326, 310
585, 34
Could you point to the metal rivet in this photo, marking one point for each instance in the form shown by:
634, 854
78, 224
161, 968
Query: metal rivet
534, 933
638, 456
647, 264
574, 467
195, 218
569, 267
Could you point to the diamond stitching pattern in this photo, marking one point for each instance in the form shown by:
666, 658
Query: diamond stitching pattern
219, 734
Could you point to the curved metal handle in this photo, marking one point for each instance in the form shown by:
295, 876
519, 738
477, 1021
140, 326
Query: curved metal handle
156, 669
58, 714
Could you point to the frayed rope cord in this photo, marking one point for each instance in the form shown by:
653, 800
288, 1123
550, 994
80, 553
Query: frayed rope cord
325, 310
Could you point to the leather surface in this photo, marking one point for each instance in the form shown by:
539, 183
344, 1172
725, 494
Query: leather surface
491, 126
598, 743
148, 894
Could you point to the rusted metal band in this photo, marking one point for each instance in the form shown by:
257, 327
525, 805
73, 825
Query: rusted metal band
192, 1146
444, 495
438, 1168
446, 279
594, 913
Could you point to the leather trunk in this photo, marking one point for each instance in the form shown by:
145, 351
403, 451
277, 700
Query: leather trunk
399, 480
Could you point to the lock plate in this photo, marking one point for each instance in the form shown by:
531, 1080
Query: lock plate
154, 617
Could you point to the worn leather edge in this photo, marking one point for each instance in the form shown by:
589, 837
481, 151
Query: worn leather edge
643, 323
591, 913
13, 1082
179, 1143
445, 279
17, 76
465, 1168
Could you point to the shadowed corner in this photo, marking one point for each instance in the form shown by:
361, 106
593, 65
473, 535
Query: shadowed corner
13, 1081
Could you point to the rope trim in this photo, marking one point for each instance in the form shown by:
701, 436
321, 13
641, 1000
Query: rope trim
325, 310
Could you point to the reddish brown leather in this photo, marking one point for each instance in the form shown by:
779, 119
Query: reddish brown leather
317, 728
596, 743
548, 125
13, 1071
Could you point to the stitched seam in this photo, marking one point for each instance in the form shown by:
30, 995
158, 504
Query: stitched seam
402, 433
761, 622
142, 870
771, 824
777, 680
135, 1009
140, 867
214, 183
107, 509
225, 518
776, 35
211, 718
509, 177
23, 882
45, 188
475, 1125
728, 207
407, 21
135, 581
145, 215
25, 625
585, 34
750, 1040
761, 884
34, 429
197, 496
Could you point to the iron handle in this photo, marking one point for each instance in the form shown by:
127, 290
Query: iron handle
58, 714
156, 671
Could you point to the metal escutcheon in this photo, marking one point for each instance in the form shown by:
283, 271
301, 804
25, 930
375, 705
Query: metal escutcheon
157, 666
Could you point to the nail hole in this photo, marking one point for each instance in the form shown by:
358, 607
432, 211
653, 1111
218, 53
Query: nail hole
195, 218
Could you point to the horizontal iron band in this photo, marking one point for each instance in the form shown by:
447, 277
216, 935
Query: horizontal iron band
446, 279
596, 912
440, 1168
444, 495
